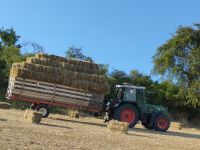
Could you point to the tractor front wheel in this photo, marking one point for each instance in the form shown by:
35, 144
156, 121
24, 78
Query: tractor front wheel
127, 113
161, 123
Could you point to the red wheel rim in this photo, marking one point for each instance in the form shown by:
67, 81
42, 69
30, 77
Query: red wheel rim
127, 115
162, 123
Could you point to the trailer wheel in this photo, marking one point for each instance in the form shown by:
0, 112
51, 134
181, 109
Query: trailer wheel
161, 123
44, 109
127, 113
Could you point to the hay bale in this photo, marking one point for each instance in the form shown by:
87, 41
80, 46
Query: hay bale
117, 126
31, 116
4, 105
177, 125
59, 70
73, 114
76, 62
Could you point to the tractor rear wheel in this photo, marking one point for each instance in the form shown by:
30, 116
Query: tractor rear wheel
161, 123
127, 113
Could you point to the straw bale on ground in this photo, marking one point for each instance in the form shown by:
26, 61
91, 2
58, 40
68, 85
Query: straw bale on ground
31, 116
73, 114
117, 126
177, 125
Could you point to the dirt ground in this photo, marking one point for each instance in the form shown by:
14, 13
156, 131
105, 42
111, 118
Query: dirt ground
62, 133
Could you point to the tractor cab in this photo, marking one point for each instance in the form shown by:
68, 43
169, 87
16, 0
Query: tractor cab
130, 93
129, 106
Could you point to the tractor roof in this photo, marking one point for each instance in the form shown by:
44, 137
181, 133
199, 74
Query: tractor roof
130, 86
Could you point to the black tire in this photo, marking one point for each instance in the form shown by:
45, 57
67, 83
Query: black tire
147, 126
44, 109
161, 123
119, 111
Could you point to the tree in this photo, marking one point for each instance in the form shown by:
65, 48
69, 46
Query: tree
31, 48
179, 59
9, 53
9, 37
103, 69
139, 79
76, 53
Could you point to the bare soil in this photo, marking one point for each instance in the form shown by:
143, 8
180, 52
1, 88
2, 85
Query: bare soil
61, 133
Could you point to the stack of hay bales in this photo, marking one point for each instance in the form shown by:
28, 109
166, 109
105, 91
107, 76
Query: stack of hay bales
4, 105
54, 69
73, 114
31, 116
117, 126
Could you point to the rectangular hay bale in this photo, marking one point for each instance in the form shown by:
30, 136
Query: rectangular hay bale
117, 126
73, 114
31, 116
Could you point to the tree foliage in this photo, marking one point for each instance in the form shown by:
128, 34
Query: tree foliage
76, 53
179, 59
8, 37
9, 53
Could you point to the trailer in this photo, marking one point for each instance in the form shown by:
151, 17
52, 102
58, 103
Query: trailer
42, 95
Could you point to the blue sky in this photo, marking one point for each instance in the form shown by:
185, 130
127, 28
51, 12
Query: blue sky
122, 33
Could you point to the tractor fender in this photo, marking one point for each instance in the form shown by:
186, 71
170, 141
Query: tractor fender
153, 116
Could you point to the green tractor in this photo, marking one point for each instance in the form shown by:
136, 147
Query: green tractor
129, 106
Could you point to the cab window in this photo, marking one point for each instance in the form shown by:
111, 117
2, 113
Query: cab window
119, 94
130, 94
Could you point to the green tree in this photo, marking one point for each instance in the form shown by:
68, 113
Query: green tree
139, 79
76, 53
9, 37
9, 53
179, 59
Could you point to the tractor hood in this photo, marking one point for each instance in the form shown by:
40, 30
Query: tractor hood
154, 108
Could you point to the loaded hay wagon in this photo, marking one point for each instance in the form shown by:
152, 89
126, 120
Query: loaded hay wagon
48, 80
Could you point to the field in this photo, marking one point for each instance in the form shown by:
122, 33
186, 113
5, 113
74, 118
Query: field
62, 132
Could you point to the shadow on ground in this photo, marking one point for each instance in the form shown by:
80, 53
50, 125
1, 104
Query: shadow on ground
169, 133
79, 121
53, 125
3, 119
140, 130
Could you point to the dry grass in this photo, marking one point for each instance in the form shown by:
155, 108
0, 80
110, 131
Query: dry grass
61, 132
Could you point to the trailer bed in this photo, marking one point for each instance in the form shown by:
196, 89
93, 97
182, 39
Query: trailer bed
53, 94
